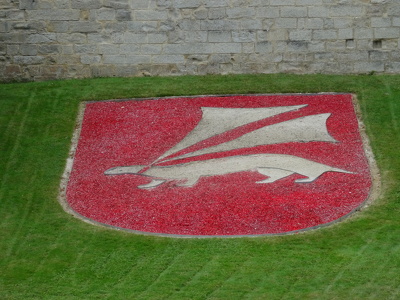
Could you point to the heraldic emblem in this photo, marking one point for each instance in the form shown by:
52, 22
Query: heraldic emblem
219, 166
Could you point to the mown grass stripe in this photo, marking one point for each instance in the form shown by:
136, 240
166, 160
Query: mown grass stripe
147, 293
12, 121
347, 265
14, 149
206, 267
16, 242
231, 284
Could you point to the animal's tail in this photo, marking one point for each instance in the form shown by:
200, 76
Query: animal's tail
341, 171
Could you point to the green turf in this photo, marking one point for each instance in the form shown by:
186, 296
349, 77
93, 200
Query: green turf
47, 254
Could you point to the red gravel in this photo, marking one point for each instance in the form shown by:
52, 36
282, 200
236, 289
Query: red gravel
124, 133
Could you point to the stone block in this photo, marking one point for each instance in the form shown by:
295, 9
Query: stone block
102, 71
375, 55
109, 27
282, 2
4, 26
54, 15
59, 3
125, 59
386, 33
49, 49
187, 3
220, 25
194, 48
381, 22
240, 12
278, 35
216, 13
346, 11
108, 49
367, 67
267, 12
125, 71
297, 46
324, 56
105, 14
314, 46
26, 49
67, 38
219, 36
293, 12
12, 49
226, 48
123, 15
345, 33
41, 38
393, 67
85, 48
157, 38
132, 38
150, 49
117, 4
189, 25
13, 38
363, 33
131, 49
195, 37
138, 59
17, 15
86, 4
28, 60
3, 49
300, 35
353, 56
286, 23
318, 12
27, 4
150, 15
166, 26
251, 24
309, 2
243, 36
84, 27
310, 23
200, 14
168, 59
220, 58
58, 26
12, 71
215, 3
342, 23
164, 3
324, 34
139, 4
263, 47
90, 59
336, 45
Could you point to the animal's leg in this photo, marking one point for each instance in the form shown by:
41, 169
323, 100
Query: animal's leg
190, 181
273, 174
154, 183
306, 180
311, 176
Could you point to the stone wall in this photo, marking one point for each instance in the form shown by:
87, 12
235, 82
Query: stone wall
49, 39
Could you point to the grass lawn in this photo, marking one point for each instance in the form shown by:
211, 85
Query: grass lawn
48, 254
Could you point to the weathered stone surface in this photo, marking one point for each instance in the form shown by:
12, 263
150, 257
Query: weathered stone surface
142, 37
